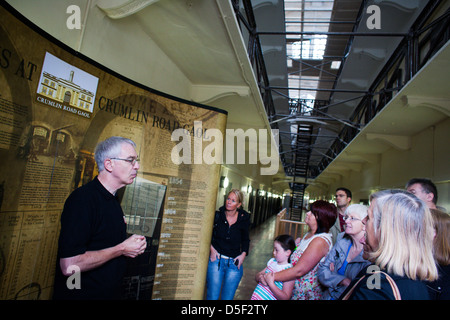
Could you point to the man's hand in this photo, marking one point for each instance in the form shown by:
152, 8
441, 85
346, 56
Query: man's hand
134, 246
131, 247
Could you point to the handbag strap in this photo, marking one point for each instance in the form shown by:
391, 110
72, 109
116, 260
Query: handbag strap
394, 287
349, 293
391, 281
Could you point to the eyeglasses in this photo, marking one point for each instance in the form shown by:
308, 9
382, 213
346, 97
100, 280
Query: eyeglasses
131, 161
351, 219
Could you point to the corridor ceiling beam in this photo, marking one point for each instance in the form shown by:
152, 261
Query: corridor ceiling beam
313, 33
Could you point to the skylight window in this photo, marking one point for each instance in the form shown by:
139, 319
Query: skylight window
306, 21
335, 65
311, 49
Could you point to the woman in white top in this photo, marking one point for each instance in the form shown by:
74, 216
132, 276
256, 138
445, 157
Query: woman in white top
311, 250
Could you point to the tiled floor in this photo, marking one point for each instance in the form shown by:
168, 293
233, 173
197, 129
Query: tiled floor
261, 248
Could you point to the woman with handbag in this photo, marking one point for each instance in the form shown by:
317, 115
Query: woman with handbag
399, 243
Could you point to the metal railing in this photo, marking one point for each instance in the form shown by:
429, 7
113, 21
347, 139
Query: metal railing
427, 35
283, 225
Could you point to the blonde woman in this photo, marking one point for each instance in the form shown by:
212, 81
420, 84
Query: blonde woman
399, 242
229, 247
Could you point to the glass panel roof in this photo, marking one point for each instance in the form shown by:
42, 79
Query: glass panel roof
303, 17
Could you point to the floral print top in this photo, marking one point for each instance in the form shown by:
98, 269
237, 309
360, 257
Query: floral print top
307, 287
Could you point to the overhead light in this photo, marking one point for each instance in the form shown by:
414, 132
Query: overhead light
335, 65
305, 119
224, 182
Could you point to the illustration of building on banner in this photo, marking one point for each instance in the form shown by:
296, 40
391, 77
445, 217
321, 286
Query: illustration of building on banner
66, 87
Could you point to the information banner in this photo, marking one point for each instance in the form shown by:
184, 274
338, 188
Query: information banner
55, 106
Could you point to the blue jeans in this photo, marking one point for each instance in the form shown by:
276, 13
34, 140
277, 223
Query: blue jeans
222, 279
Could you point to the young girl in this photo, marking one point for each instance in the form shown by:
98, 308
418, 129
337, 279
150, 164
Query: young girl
283, 246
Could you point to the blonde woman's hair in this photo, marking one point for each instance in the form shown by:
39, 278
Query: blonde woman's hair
238, 193
404, 227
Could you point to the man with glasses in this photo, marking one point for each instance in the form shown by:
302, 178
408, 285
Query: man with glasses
343, 197
93, 243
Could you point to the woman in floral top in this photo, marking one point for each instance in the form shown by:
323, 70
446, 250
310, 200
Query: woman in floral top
311, 250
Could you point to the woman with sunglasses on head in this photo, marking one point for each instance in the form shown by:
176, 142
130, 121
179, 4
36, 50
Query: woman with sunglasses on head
345, 260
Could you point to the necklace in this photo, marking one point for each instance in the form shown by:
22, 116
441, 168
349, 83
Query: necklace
231, 218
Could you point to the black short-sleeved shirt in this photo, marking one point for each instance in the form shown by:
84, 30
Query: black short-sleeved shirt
92, 219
